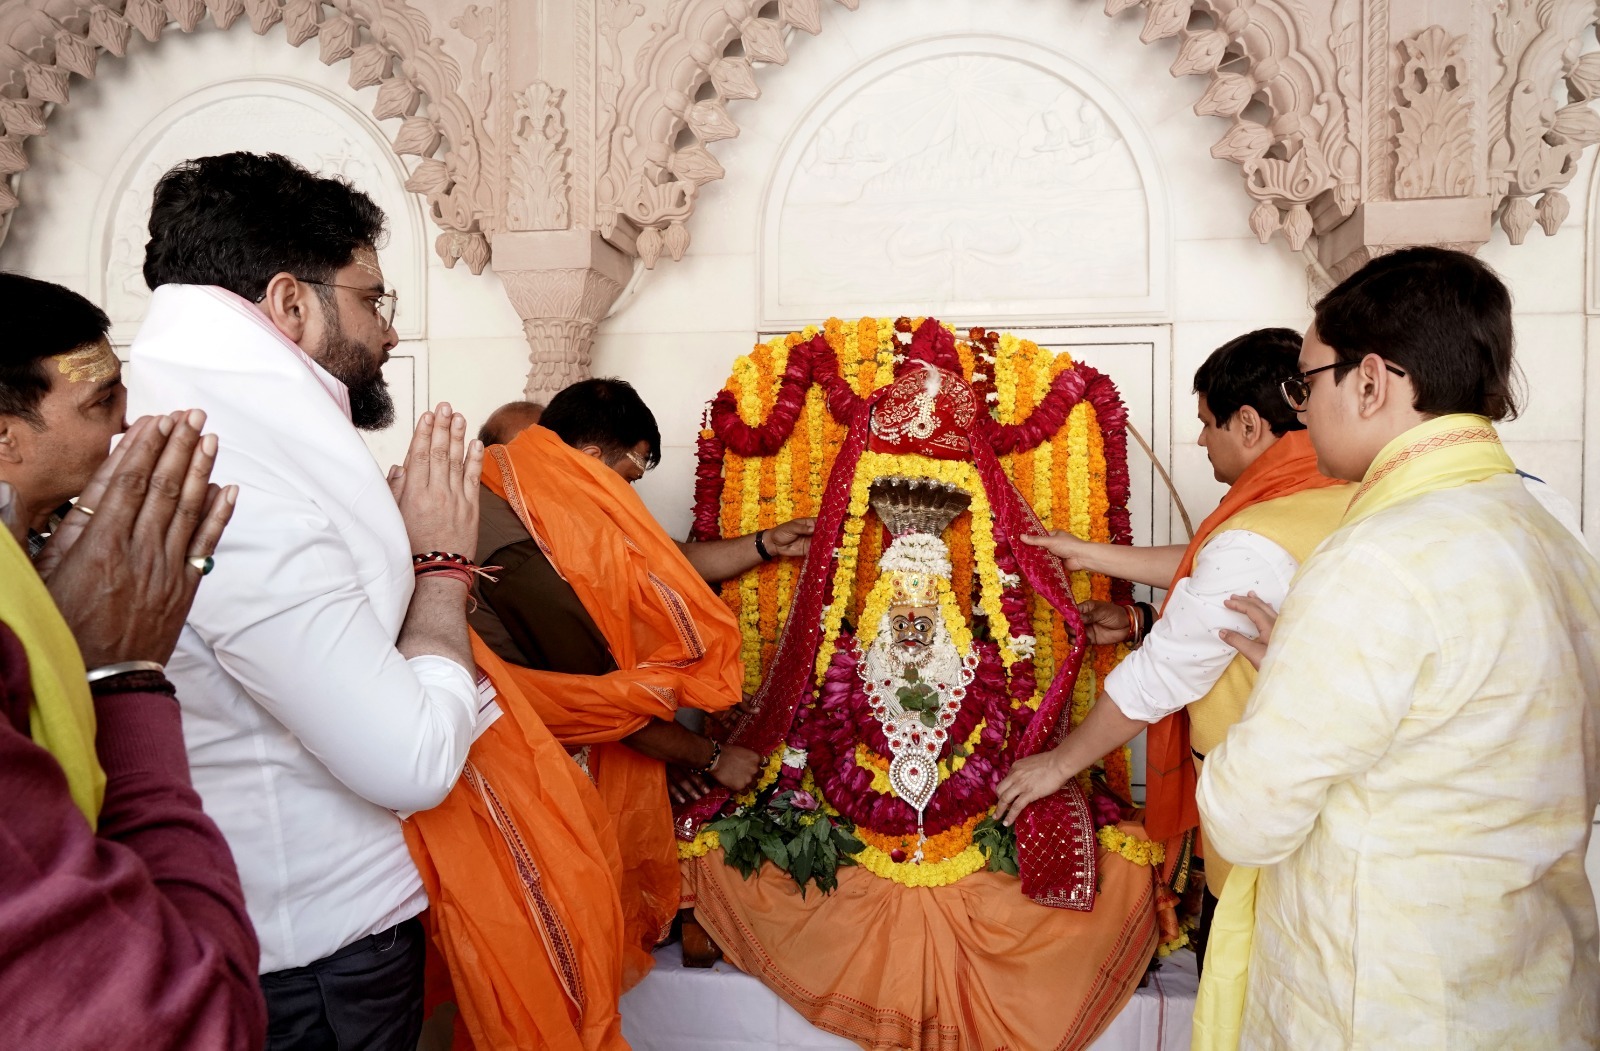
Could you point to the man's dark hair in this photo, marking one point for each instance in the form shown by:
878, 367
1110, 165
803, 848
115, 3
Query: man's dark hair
1442, 316
42, 320
607, 413
1247, 371
237, 219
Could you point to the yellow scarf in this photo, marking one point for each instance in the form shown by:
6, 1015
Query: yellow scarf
61, 720
1444, 452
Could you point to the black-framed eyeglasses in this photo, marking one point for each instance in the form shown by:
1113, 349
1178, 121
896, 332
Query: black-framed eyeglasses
383, 305
1296, 389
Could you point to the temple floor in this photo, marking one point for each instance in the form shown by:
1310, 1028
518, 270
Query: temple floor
724, 1009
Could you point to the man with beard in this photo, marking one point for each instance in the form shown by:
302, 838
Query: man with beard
324, 686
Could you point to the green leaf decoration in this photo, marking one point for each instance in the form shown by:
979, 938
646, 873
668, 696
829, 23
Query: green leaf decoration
810, 845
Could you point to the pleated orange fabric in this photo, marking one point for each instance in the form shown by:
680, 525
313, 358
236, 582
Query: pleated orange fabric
972, 966
522, 874
674, 642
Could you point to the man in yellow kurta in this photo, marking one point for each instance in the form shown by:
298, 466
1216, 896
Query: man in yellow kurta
1417, 769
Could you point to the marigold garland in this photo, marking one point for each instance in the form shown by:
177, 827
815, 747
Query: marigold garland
1139, 851
765, 453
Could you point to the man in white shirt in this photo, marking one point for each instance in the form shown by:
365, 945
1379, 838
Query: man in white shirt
1184, 678
324, 687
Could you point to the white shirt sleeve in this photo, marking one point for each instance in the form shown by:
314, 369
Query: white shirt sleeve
1182, 658
310, 650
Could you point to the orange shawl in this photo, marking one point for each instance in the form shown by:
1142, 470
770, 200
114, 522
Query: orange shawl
522, 876
674, 642
1289, 465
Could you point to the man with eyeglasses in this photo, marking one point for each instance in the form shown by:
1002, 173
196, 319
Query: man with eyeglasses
325, 687
1184, 682
609, 626
1416, 774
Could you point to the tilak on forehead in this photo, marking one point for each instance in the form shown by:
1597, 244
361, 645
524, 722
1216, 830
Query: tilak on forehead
90, 364
367, 259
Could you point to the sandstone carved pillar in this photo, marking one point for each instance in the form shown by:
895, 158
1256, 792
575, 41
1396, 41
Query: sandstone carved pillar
561, 283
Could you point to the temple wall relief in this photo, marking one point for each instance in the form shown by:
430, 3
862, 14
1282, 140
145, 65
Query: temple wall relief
642, 186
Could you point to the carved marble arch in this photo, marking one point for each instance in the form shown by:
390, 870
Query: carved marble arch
387, 44
1295, 109
1038, 195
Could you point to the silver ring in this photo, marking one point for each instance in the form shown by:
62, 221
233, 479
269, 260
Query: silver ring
86, 510
204, 563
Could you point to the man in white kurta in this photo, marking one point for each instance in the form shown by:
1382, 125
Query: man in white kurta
1417, 769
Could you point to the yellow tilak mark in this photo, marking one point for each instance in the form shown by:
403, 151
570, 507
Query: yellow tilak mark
89, 364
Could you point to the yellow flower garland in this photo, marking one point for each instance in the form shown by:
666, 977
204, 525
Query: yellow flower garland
1139, 851
925, 874
703, 844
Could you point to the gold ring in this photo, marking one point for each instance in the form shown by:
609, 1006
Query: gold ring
204, 563
86, 510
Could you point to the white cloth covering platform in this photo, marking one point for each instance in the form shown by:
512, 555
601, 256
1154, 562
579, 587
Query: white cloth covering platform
724, 1009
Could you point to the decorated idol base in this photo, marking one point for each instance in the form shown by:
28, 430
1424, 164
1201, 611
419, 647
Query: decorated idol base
896, 675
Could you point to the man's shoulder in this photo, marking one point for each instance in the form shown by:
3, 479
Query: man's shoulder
498, 524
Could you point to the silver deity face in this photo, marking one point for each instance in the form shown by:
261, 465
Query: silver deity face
911, 631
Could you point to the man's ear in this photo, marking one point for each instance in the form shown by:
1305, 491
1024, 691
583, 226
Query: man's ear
593, 450
10, 446
1375, 386
286, 304
1251, 426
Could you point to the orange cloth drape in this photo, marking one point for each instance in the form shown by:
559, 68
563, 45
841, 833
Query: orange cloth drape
972, 965
1289, 465
674, 642
522, 874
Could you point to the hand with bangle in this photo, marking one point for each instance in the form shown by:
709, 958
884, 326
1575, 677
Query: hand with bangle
1109, 623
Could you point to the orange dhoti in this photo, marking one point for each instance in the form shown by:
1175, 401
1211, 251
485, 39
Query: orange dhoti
971, 966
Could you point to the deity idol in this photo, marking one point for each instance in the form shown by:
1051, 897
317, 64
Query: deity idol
902, 688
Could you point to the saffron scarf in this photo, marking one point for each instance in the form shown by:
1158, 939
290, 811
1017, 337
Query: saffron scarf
673, 639
522, 872
1443, 453
1288, 466
61, 720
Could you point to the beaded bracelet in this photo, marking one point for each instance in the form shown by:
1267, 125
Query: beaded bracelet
711, 764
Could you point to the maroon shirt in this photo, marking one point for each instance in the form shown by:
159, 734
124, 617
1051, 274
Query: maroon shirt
132, 937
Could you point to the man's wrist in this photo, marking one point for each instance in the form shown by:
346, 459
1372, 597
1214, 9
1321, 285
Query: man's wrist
710, 765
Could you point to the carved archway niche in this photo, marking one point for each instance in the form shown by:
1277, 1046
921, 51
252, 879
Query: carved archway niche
1349, 120
387, 44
